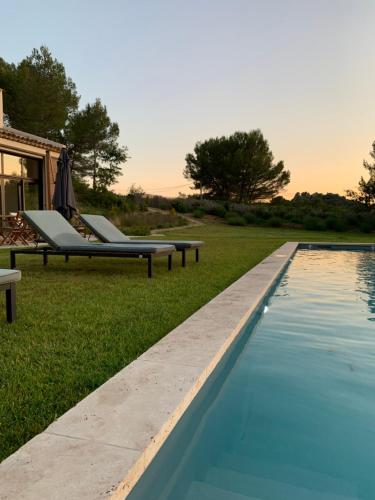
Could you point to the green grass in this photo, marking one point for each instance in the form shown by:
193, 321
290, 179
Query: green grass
81, 322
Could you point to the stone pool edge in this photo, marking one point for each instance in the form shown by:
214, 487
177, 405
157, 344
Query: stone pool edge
100, 447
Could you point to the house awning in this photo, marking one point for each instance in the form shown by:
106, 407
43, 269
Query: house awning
30, 139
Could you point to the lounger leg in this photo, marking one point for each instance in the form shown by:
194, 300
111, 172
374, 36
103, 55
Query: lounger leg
12, 259
66, 258
149, 266
45, 258
10, 296
170, 262
197, 255
183, 258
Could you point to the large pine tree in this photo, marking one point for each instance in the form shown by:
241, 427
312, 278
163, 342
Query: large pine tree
93, 142
239, 168
39, 97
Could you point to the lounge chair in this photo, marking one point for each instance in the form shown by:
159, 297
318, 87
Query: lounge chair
8, 279
107, 232
63, 239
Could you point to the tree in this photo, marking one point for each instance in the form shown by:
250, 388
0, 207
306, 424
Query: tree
238, 168
39, 97
7, 83
93, 143
366, 189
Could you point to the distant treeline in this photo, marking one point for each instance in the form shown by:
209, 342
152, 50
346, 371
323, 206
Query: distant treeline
315, 212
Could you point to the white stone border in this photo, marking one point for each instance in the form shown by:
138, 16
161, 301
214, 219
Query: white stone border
101, 447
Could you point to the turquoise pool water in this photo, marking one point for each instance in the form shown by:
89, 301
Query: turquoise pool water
291, 412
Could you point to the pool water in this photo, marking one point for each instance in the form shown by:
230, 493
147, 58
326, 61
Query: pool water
292, 415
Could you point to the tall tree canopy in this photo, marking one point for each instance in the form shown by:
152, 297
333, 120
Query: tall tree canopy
366, 189
93, 142
39, 97
239, 168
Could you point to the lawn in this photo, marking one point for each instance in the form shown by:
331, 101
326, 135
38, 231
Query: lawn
81, 322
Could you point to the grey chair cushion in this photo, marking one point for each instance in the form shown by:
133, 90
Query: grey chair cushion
9, 276
62, 236
108, 232
53, 228
103, 228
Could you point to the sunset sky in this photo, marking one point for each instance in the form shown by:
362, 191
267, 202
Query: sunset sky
173, 72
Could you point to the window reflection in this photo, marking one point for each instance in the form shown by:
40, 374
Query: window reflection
12, 195
12, 165
20, 184
31, 191
15, 166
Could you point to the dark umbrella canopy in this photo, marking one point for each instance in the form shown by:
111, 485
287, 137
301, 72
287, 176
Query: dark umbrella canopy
63, 198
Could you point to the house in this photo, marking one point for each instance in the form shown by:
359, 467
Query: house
28, 165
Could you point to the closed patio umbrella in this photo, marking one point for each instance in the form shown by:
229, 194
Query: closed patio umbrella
63, 198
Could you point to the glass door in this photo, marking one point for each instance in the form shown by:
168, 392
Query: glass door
21, 184
31, 196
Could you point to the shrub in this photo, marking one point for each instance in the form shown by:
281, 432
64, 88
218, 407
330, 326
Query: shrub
250, 218
198, 213
366, 227
279, 212
137, 230
354, 220
367, 224
218, 211
275, 222
262, 213
236, 220
313, 223
180, 206
150, 220
335, 223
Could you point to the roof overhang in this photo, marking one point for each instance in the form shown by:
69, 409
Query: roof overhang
30, 139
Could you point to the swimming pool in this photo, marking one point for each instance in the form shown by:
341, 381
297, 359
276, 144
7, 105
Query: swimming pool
290, 412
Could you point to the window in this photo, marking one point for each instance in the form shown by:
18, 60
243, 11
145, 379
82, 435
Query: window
20, 183
12, 166
17, 166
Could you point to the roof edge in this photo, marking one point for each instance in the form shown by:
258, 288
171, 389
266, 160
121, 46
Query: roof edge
31, 139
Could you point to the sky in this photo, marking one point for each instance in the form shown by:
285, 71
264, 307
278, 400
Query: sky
174, 72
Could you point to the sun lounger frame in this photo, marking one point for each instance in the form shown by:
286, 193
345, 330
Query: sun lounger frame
181, 246
45, 252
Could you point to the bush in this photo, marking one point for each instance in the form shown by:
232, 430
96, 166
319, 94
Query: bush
335, 223
137, 230
275, 222
262, 213
366, 227
198, 213
250, 218
236, 220
180, 206
354, 220
100, 201
366, 223
313, 223
159, 202
218, 211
